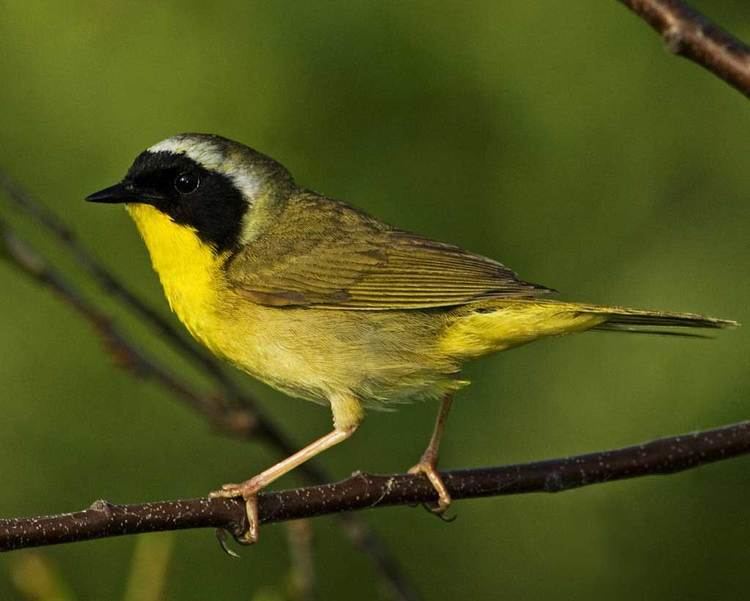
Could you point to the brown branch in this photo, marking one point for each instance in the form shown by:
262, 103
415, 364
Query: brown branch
238, 418
686, 32
691, 35
367, 491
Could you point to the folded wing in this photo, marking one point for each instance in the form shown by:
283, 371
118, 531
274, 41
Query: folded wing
322, 253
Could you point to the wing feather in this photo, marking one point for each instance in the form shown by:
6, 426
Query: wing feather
322, 253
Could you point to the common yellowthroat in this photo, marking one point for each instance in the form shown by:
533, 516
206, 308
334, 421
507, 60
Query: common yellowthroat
325, 302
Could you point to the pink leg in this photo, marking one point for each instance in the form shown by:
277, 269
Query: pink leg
347, 415
428, 463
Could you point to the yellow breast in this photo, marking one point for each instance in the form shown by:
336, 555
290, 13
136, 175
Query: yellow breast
189, 270
279, 347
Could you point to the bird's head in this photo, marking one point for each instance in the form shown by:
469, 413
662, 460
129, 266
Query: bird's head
220, 189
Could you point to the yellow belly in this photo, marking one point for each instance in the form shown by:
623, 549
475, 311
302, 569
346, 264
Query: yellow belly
375, 356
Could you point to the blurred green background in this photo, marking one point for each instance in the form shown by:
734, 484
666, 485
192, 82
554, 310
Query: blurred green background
558, 137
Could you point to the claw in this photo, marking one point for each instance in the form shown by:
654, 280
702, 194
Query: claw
249, 489
221, 536
249, 492
427, 467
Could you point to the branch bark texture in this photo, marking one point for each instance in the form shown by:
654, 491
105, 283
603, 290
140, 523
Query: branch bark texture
368, 491
687, 33
691, 35
231, 412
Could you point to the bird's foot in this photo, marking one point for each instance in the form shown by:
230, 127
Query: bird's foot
428, 466
248, 491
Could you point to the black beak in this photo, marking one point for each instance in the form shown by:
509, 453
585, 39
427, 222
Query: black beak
114, 194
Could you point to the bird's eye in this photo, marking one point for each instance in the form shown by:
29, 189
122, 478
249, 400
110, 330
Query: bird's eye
187, 182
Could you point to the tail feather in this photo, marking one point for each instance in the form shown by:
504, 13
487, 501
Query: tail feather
635, 320
649, 331
497, 325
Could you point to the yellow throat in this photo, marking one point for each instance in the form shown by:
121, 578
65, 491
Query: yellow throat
189, 269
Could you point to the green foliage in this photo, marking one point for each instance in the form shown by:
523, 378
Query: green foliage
558, 137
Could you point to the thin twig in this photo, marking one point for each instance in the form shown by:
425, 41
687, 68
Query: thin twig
241, 420
299, 536
687, 33
232, 400
691, 35
25, 202
125, 353
367, 491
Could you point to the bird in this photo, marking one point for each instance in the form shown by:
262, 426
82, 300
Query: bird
324, 302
